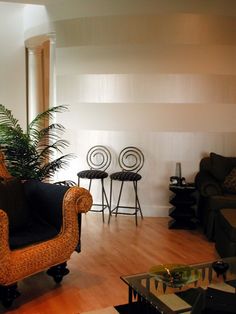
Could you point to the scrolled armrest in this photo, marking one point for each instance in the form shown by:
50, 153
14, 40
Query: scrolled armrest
4, 235
79, 199
207, 185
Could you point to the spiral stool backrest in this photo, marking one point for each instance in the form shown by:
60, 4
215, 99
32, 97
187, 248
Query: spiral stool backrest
98, 157
131, 159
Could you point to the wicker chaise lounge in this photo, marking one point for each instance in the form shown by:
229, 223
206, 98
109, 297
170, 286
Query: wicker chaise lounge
50, 237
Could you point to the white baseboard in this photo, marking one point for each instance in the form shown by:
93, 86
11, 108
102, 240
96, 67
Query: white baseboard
157, 211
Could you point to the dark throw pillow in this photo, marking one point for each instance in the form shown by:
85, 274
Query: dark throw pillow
220, 166
13, 202
229, 184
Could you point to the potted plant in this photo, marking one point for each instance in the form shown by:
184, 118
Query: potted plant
31, 154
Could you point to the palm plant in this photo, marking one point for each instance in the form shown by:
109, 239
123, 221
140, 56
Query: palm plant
31, 154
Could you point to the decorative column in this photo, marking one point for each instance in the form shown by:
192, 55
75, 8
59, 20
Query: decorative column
40, 74
52, 71
34, 82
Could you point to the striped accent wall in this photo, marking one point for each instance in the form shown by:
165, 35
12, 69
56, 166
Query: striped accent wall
160, 75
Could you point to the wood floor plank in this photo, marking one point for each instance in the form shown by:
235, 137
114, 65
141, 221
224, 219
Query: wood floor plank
109, 251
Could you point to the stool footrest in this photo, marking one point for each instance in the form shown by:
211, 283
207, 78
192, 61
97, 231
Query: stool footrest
125, 213
99, 210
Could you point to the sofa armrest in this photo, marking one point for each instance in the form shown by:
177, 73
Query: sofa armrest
43, 255
4, 237
207, 185
78, 199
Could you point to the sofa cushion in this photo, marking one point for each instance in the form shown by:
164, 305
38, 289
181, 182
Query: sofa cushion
216, 202
227, 220
207, 185
92, 174
220, 166
13, 202
125, 176
37, 231
229, 184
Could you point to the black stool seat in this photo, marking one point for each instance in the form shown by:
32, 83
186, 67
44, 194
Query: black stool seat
92, 174
125, 176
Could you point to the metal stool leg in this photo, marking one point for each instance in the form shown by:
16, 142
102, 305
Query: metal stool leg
90, 183
110, 213
106, 200
137, 205
103, 219
118, 202
135, 202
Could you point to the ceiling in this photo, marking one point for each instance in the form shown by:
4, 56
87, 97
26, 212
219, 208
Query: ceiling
31, 1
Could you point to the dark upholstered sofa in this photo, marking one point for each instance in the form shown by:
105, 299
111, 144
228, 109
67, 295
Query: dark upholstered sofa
216, 184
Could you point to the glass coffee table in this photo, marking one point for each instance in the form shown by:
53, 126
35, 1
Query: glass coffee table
172, 288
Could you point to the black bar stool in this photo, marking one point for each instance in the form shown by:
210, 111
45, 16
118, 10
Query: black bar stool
98, 159
131, 160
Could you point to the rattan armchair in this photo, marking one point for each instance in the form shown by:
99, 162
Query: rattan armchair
21, 257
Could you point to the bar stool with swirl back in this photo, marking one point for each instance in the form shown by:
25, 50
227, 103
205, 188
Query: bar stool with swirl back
131, 160
98, 159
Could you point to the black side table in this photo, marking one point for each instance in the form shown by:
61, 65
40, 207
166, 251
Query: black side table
183, 202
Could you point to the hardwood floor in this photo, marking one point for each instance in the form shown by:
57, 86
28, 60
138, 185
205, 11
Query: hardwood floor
107, 253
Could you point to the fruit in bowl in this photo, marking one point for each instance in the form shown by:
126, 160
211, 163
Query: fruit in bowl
174, 275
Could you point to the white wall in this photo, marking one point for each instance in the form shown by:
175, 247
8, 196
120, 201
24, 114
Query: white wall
12, 60
160, 75
36, 21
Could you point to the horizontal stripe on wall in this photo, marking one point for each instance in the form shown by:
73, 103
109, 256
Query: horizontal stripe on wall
143, 29
151, 117
80, 8
204, 59
146, 88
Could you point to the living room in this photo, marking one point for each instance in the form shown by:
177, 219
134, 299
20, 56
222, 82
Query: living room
158, 75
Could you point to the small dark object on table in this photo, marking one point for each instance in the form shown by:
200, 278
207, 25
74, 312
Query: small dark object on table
220, 267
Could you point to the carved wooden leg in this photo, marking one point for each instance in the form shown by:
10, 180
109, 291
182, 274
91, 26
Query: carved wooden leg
58, 272
8, 294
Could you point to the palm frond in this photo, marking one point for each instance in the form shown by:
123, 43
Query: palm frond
49, 152
7, 119
49, 169
22, 160
41, 118
31, 154
47, 134
9, 132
